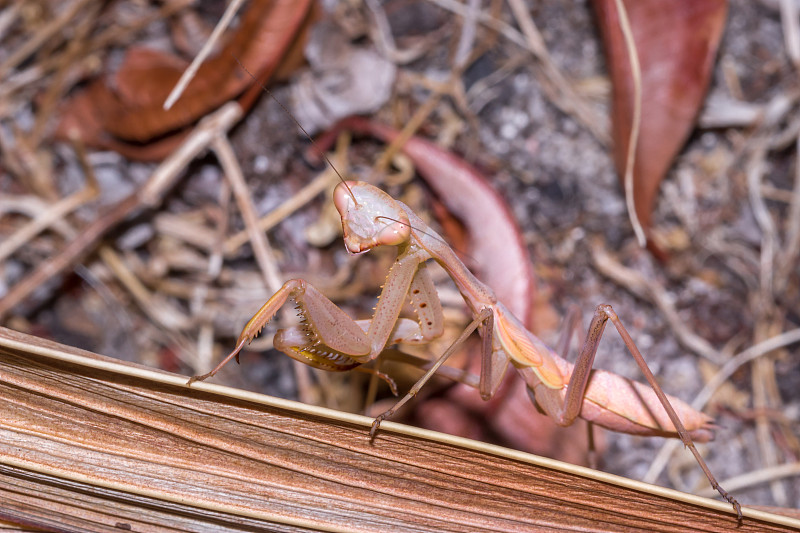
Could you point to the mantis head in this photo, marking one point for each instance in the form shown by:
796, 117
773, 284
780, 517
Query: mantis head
370, 217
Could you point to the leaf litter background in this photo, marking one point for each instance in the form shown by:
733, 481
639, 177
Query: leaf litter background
730, 281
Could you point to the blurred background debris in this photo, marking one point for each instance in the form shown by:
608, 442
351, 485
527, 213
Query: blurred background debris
120, 234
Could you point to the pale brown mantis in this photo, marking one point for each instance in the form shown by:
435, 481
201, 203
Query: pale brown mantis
329, 339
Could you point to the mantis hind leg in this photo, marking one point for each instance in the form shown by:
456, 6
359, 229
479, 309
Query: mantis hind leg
576, 389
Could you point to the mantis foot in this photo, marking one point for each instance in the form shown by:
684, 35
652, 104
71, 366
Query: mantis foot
375, 425
731, 500
380, 418
198, 378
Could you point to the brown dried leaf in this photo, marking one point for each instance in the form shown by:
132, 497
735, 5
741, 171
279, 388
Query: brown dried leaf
676, 43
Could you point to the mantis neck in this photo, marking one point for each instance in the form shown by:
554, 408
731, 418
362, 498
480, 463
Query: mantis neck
476, 293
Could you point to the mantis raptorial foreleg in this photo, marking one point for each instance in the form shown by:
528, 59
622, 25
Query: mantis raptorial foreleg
328, 324
329, 339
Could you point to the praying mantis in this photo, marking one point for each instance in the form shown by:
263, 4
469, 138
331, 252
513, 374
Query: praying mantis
329, 339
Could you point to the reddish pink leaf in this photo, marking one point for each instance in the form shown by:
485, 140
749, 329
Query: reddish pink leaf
676, 42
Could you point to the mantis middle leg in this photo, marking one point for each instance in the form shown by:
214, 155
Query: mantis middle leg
484, 320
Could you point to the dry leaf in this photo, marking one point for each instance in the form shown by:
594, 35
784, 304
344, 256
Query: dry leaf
676, 43
90, 444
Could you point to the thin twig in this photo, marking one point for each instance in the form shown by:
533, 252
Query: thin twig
790, 20
60, 83
51, 214
45, 218
320, 184
572, 103
200, 293
191, 70
763, 372
756, 477
755, 171
168, 317
8, 16
633, 140
787, 259
466, 40
45, 33
655, 293
563, 95
261, 248
385, 41
31, 206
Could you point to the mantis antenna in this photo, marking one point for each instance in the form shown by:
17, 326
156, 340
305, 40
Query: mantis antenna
286, 110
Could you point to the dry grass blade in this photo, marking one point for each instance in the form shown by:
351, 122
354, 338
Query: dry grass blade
636, 119
46, 32
90, 444
149, 195
204, 52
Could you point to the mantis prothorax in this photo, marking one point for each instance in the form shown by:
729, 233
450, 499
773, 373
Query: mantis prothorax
329, 339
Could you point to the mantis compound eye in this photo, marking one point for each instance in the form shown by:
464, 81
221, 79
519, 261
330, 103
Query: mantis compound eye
344, 198
394, 233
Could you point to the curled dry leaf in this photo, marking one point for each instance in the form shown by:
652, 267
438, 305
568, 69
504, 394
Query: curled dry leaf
499, 255
676, 43
124, 112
